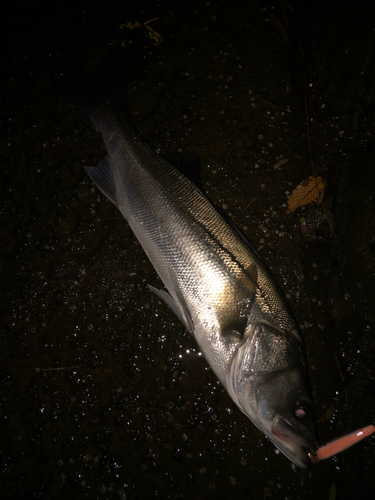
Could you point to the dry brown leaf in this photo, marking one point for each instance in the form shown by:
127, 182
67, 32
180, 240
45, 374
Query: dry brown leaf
305, 193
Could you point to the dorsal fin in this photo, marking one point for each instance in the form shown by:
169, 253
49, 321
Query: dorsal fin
189, 164
180, 308
234, 226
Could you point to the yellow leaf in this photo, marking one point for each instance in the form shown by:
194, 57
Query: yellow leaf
130, 25
305, 193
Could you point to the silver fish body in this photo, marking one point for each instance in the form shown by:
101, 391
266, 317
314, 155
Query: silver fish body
218, 285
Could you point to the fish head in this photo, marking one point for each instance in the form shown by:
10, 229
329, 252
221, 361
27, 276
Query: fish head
267, 381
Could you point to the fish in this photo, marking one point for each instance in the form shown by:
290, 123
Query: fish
216, 282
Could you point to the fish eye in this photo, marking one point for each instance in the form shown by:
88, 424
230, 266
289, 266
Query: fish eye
301, 412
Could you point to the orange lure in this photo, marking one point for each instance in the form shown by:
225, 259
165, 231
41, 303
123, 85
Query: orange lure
340, 444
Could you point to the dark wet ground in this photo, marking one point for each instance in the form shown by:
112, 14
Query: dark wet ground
104, 395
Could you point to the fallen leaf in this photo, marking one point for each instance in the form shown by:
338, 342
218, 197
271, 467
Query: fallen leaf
305, 193
328, 414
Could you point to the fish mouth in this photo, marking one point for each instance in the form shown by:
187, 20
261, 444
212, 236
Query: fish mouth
296, 443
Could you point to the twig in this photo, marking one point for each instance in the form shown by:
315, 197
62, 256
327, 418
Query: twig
289, 7
255, 197
312, 163
55, 369
339, 367
150, 21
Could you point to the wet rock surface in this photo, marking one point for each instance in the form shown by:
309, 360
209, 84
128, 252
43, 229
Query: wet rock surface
104, 395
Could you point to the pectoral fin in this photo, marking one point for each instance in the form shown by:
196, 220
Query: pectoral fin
182, 312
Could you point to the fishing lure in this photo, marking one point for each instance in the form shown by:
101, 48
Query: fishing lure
340, 444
